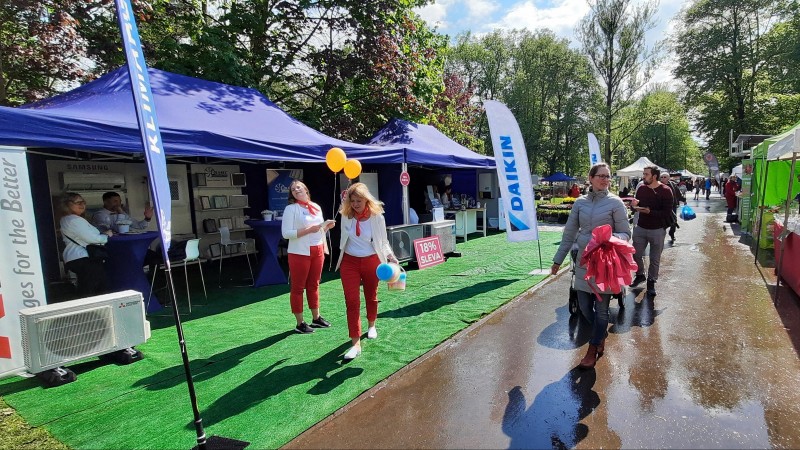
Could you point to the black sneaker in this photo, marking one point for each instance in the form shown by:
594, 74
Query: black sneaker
651, 288
320, 322
303, 328
637, 280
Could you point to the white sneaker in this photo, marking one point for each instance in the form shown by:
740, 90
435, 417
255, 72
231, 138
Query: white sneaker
352, 353
372, 333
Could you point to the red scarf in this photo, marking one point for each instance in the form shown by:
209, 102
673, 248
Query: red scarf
363, 215
308, 206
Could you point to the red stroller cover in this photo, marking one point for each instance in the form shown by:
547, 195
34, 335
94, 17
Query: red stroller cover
609, 260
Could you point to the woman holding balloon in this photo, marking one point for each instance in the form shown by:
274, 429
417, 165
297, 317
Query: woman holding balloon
364, 245
304, 227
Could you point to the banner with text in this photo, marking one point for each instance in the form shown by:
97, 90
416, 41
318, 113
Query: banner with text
428, 251
513, 173
21, 280
594, 150
148, 122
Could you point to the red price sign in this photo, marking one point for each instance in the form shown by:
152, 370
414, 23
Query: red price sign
405, 179
428, 251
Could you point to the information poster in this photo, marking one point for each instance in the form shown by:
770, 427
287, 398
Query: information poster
278, 182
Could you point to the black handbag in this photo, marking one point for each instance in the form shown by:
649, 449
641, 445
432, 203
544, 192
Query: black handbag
97, 252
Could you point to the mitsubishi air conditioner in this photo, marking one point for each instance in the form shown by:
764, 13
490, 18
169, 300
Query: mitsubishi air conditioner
58, 334
82, 181
401, 238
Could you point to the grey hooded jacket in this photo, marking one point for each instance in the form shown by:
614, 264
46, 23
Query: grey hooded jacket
590, 211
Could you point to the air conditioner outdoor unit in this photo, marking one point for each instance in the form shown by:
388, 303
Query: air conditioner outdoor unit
401, 238
446, 230
81, 181
58, 334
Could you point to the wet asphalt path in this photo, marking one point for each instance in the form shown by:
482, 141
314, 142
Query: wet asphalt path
711, 362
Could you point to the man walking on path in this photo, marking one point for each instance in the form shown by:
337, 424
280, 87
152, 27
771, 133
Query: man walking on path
677, 198
654, 202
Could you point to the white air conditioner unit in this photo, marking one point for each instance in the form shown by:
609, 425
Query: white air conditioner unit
401, 238
446, 230
54, 335
82, 181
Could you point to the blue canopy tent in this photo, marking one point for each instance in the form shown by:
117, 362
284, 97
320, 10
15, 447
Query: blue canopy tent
412, 143
197, 118
558, 176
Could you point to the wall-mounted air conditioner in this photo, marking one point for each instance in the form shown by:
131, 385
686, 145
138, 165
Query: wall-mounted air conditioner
82, 181
58, 334
401, 238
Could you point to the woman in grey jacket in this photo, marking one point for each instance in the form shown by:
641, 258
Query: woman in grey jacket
598, 207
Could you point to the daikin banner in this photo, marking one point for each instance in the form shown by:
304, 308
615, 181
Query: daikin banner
513, 173
21, 279
148, 122
594, 150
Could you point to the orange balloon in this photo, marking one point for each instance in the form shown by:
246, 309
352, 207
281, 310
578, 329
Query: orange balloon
352, 168
335, 158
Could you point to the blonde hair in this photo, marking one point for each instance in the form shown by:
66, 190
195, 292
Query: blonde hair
65, 200
374, 205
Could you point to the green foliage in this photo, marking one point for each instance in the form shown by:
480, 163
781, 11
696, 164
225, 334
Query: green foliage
39, 47
549, 87
613, 37
724, 52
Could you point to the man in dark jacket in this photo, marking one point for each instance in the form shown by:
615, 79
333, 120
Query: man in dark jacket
677, 198
653, 201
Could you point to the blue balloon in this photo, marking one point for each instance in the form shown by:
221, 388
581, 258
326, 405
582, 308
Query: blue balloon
402, 277
384, 272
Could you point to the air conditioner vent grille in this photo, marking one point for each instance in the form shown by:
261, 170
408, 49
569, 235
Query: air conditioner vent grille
72, 336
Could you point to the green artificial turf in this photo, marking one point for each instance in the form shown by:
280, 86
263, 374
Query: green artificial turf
255, 379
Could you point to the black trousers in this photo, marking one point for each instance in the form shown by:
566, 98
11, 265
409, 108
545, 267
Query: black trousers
91, 276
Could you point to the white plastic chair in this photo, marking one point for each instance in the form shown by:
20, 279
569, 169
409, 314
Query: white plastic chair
225, 244
192, 257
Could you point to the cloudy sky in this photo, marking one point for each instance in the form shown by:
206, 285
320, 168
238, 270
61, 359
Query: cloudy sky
561, 16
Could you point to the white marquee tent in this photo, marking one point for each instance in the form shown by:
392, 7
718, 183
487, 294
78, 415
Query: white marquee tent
637, 169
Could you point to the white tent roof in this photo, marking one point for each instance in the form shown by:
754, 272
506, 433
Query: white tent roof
737, 171
788, 143
686, 173
637, 169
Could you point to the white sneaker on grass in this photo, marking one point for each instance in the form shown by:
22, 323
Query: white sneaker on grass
352, 353
372, 333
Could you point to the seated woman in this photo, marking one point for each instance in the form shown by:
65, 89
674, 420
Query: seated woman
77, 233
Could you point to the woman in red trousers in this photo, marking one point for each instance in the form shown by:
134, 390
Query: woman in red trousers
304, 227
364, 245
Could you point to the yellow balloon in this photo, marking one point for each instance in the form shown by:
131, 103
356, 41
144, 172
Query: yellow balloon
352, 168
335, 158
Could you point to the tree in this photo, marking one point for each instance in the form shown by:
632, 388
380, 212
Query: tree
40, 50
613, 36
722, 58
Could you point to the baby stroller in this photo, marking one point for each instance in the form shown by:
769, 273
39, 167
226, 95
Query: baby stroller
573, 293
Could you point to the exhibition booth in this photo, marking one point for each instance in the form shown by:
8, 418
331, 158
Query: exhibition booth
230, 154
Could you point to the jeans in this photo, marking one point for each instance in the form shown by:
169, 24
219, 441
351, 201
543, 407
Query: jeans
655, 238
596, 313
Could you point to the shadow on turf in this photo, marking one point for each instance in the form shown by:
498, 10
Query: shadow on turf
207, 368
447, 298
329, 369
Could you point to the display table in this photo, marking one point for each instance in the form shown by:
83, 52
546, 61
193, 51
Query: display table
126, 253
467, 221
790, 269
268, 236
